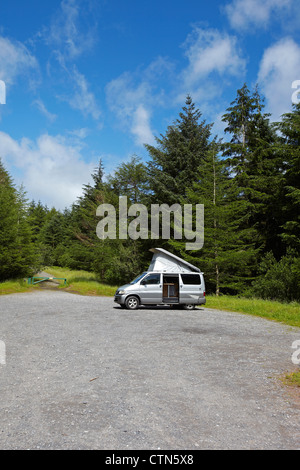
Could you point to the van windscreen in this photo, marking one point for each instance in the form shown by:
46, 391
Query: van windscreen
137, 278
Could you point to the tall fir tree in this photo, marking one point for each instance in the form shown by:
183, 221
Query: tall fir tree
252, 160
37, 216
130, 179
223, 258
17, 254
171, 170
174, 161
289, 128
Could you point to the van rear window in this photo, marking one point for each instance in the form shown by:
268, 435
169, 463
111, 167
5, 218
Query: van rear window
190, 278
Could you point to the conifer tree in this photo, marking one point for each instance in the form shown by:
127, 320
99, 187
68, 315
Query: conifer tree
8, 225
81, 223
130, 179
290, 197
178, 153
37, 216
223, 258
252, 160
17, 255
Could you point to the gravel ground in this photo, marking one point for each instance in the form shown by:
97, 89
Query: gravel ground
82, 373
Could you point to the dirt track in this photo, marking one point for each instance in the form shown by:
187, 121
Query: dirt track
82, 373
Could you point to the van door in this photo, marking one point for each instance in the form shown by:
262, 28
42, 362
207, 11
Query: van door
151, 289
170, 288
190, 288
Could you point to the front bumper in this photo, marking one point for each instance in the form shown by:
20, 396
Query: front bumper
120, 298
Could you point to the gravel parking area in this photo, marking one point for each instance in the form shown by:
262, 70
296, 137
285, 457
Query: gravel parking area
82, 373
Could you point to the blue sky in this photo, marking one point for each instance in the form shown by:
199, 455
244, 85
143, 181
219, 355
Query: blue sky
91, 79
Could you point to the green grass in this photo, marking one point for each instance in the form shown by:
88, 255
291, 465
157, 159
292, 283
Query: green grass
81, 282
14, 286
288, 313
292, 379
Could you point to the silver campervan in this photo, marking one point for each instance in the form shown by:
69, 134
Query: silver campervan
169, 281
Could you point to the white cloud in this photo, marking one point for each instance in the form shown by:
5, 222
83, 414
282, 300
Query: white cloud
69, 37
131, 103
15, 60
244, 14
43, 110
141, 126
51, 168
209, 50
279, 67
65, 32
83, 99
214, 59
80, 133
211, 55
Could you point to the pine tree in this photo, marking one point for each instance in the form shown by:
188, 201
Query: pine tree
252, 160
8, 225
178, 153
17, 254
290, 196
37, 216
224, 258
130, 179
77, 249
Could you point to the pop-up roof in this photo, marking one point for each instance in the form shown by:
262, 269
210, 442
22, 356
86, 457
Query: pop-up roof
164, 261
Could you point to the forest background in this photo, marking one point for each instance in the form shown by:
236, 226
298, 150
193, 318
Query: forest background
249, 186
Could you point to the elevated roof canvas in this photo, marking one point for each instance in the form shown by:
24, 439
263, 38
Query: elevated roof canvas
164, 261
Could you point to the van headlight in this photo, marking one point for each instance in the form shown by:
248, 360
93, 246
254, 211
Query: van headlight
121, 292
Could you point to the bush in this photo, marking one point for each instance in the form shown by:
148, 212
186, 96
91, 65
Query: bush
278, 280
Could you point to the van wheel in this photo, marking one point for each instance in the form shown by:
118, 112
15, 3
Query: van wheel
132, 302
189, 307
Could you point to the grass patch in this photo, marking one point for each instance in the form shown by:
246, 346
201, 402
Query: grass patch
14, 286
81, 282
288, 313
292, 379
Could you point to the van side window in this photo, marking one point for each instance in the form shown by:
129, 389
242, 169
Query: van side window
152, 279
190, 279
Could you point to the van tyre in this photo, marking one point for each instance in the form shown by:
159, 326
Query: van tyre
132, 302
189, 307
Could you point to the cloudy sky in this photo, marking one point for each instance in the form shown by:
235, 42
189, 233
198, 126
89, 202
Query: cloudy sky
91, 79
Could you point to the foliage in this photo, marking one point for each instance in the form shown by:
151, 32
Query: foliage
290, 155
17, 255
278, 280
173, 164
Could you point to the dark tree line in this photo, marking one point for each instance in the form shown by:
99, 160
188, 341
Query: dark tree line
249, 184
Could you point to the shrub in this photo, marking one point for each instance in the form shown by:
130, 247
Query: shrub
278, 280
